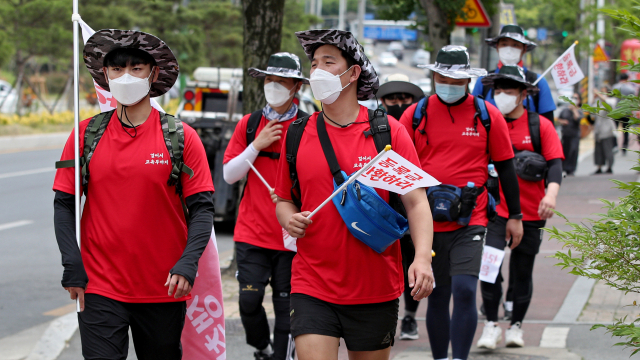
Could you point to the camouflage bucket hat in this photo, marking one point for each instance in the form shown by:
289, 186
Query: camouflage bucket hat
106, 40
509, 72
281, 64
514, 32
312, 39
453, 61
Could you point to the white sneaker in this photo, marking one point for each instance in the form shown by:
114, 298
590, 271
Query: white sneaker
513, 336
491, 336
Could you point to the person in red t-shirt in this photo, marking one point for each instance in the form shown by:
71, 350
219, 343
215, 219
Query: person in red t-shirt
342, 288
454, 147
260, 252
139, 255
511, 88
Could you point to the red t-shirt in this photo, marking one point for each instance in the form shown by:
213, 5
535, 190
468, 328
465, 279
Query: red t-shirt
133, 227
531, 192
331, 264
257, 223
455, 152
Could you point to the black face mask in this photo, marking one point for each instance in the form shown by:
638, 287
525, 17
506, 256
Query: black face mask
397, 110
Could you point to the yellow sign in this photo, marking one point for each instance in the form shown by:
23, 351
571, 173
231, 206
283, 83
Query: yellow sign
599, 55
476, 15
507, 15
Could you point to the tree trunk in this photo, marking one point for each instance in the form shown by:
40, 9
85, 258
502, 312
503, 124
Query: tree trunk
439, 29
21, 67
262, 37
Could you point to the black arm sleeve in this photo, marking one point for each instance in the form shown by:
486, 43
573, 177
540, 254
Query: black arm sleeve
201, 210
64, 222
555, 171
510, 188
548, 115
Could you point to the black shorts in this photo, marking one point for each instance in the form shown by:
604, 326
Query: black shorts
365, 327
531, 240
458, 252
156, 329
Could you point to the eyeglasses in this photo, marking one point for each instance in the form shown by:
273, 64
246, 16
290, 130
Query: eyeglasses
398, 96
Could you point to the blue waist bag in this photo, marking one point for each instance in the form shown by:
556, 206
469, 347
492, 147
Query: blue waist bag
369, 218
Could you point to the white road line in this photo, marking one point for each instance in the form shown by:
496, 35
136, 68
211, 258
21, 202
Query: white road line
11, 225
575, 301
26, 172
554, 337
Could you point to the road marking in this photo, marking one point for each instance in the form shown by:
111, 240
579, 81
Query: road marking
63, 310
554, 337
55, 338
11, 225
575, 301
26, 172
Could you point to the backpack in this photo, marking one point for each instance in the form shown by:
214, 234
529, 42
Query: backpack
173, 132
529, 76
380, 130
481, 113
252, 128
531, 165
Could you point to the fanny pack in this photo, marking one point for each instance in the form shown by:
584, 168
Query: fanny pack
451, 203
368, 217
530, 165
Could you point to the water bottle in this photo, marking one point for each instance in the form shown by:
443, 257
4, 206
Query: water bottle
493, 183
467, 203
492, 171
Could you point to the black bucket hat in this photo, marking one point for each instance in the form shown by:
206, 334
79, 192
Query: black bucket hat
310, 40
104, 41
453, 61
399, 83
281, 64
509, 72
514, 32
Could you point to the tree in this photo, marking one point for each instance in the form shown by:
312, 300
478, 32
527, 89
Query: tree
262, 37
608, 247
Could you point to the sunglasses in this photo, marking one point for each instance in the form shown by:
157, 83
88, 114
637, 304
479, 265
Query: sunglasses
398, 96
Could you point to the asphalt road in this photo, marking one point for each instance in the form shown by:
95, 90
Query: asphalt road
29, 256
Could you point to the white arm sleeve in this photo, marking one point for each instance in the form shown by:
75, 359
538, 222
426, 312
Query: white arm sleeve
237, 167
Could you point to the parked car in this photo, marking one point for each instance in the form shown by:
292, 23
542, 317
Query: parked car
421, 57
397, 49
388, 59
424, 84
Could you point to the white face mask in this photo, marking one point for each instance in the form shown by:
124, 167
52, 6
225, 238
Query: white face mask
325, 86
509, 55
128, 89
506, 103
276, 94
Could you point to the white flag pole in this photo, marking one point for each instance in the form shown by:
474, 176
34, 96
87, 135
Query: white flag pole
554, 63
351, 179
76, 120
259, 175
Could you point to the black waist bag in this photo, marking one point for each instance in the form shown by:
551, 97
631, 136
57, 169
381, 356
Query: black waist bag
531, 166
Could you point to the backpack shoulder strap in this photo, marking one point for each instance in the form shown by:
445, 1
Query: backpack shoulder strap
420, 112
380, 129
292, 143
534, 131
328, 151
483, 115
173, 132
252, 125
92, 135
301, 114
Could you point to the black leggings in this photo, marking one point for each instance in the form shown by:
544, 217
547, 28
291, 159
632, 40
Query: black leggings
408, 253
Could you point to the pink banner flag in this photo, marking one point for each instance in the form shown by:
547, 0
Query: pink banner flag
203, 334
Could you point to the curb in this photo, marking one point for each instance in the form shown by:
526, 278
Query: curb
512, 353
55, 338
17, 143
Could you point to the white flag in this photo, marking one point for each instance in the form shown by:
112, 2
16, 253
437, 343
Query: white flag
394, 173
105, 99
566, 71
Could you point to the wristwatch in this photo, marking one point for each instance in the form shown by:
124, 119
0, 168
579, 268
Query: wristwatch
515, 217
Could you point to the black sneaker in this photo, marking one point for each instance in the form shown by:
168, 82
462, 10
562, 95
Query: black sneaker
409, 329
259, 355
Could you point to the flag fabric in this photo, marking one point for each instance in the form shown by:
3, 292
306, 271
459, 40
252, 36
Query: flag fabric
203, 336
566, 71
105, 99
394, 173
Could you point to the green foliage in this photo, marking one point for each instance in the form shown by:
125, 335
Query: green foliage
608, 248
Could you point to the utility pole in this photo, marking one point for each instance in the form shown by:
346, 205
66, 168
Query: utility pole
362, 4
342, 9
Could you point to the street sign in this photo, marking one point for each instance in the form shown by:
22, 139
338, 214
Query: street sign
542, 34
390, 33
599, 55
507, 15
476, 15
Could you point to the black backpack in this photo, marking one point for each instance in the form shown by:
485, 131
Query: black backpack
252, 128
173, 133
529, 76
380, 130
531, 165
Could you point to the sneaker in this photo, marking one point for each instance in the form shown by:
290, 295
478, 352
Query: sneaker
508, 310
481, 311
409, 329
491, 336
259, 355
513, 336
